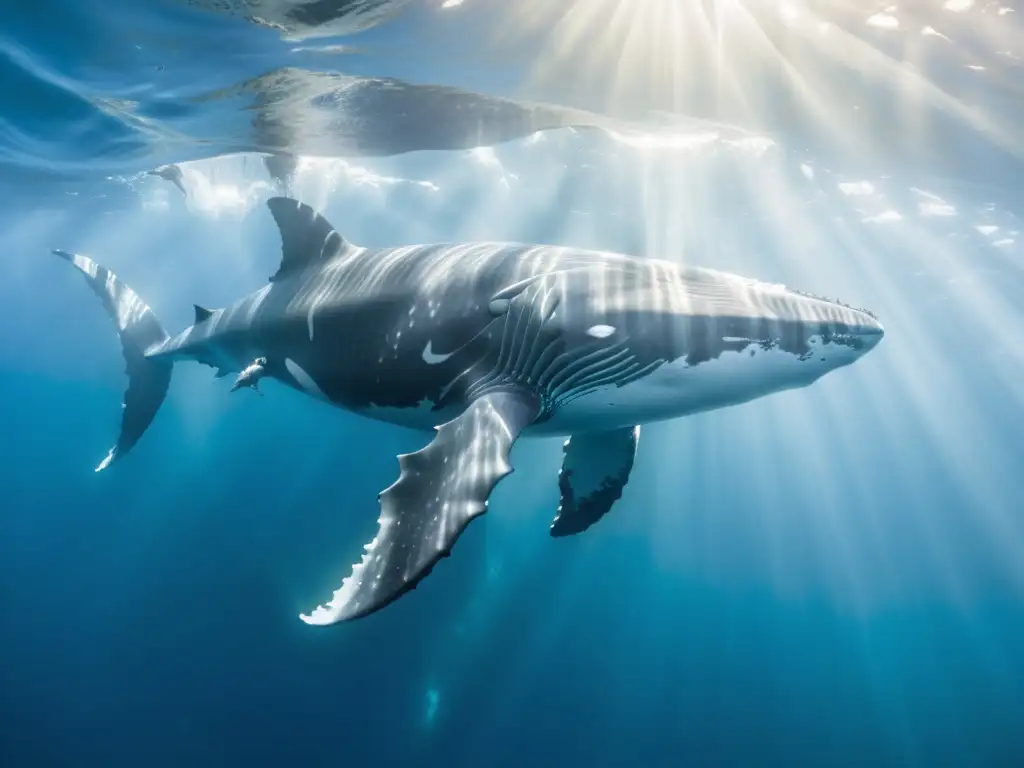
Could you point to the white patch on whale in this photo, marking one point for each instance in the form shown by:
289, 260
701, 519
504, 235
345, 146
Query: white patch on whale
498, 306
431, 358
304, 379
600, 331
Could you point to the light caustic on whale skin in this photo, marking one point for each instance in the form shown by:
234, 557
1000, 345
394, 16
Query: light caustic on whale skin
491, 341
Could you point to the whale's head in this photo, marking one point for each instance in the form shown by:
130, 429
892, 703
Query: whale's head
655, 341
715, 313
728, 339
836, 333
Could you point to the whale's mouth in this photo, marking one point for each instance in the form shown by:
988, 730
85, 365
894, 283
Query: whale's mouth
871, 336
870, 330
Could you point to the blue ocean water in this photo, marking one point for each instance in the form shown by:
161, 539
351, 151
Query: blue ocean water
830, 576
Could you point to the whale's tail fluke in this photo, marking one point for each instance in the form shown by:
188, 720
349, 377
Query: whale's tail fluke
140, 331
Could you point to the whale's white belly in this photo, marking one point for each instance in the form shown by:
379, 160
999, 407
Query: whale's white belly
676, 389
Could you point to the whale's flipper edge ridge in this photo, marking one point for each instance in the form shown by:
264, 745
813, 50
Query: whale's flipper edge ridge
440, 490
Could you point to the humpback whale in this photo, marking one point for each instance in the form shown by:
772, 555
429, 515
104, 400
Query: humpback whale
479, 344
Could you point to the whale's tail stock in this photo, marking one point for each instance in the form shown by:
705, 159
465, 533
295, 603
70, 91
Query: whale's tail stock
140, 332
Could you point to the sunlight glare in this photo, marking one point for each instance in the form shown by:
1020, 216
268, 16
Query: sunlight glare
754, 62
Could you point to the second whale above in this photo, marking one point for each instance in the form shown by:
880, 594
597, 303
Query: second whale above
484, 343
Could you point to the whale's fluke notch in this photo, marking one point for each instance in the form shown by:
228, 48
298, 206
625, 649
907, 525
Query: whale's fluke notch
306, 236
148, 378
441, 488
202, 314
594, 471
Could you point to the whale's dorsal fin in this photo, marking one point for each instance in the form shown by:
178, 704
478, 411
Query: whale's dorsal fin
306, 236
202, 314
595, 470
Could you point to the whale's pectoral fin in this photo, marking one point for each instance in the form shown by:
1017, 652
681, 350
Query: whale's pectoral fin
441, 488
595, 469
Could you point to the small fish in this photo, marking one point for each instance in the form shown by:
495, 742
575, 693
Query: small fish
250, 377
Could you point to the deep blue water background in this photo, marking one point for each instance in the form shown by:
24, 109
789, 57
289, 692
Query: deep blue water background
827, 577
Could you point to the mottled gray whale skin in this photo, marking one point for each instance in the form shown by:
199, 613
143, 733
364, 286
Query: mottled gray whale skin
484, 342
